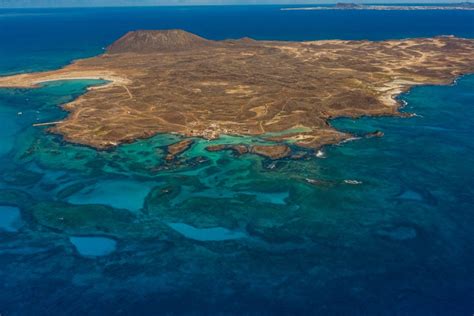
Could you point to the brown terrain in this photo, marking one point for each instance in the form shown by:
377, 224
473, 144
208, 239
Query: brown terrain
176, 82
177, 148
268, 151
354, 6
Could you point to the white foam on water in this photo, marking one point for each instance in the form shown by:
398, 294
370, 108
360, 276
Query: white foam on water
350, 139
354, 182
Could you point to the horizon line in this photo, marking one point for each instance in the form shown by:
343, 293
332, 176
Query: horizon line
407, 2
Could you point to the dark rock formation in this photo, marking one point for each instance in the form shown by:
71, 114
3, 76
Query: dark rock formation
237, 149
342, 5
158, 41
268, 151
374, 134
177, 148
271, 151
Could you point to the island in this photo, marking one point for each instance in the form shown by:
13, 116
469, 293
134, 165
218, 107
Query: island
172, 81
402, 7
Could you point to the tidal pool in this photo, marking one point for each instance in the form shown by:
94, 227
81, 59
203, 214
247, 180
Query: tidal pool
206, 234
123, 194
272, 197
10, 218
93, 246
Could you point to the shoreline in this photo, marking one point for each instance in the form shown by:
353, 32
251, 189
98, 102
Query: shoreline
399, 103
369, 7
29, 82
136, 102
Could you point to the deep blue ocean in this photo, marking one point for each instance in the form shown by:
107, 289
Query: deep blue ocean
387, 230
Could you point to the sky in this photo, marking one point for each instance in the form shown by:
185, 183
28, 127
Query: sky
100, 3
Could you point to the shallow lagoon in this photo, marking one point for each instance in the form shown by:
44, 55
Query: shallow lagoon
119, 193
93, 246
206, 234
10, 219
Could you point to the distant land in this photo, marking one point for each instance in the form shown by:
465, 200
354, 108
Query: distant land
355, 6
172, 81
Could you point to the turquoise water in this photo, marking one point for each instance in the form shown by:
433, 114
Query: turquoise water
206, 234
10, 219
375, 226
93, 246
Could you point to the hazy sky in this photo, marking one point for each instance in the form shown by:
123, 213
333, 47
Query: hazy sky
83, 3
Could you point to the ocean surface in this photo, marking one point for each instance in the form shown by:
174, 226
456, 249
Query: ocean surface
374, 226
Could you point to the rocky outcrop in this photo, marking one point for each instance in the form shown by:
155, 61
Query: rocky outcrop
342, 5
374, 134
268, 151
271, 151
177, 148
237, 149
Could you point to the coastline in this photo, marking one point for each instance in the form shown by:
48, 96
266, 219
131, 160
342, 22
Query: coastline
33, 80
355, 7
123, 84
394, 99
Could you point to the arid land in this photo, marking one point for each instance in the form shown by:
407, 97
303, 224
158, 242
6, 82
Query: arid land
176, 82
354, 6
